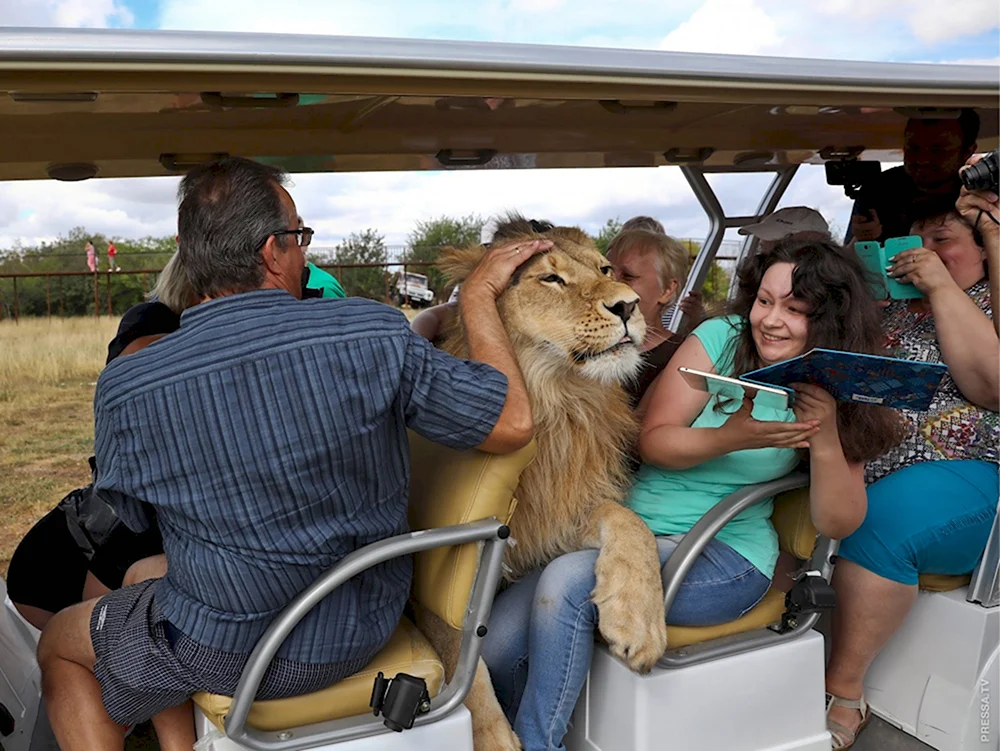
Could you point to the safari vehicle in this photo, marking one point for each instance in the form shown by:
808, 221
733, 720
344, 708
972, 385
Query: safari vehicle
146, 103
412, 289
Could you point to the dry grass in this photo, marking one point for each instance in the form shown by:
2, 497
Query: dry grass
47, 375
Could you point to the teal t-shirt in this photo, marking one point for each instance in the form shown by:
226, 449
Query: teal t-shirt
324, 282
670, 501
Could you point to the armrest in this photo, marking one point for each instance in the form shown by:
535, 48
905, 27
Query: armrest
682, 559
984, 588
486, 530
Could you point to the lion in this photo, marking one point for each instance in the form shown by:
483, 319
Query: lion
575, 332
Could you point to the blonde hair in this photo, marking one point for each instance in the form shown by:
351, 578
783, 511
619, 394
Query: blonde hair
644, 222
173, 288
672, 258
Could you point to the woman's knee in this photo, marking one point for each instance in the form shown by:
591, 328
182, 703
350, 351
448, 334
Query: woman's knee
567, 582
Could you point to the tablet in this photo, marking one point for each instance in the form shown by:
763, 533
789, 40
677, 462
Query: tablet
767, 397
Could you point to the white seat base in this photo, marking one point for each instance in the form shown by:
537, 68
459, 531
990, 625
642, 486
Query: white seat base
939, 674
765, 700
452, 732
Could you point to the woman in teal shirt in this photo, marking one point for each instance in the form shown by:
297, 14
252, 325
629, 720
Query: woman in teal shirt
696, 451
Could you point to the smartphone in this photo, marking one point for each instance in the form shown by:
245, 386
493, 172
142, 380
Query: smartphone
891, 247
767, 397
871, 255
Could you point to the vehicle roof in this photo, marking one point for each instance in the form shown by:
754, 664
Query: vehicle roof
151, 102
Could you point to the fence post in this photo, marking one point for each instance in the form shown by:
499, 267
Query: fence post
48, 296
97, 296
406, 287
1, 303
17, 304
62, 299
110, 313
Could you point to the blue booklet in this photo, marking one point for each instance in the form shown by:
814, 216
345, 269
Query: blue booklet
853, 377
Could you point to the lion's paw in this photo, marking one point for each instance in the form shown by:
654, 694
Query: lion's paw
495, 736
630, 614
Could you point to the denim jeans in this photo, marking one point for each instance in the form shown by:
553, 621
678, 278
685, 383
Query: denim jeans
541, 632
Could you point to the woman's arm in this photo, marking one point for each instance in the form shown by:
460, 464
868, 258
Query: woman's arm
981, 209
969, 344
667, 438
837, 497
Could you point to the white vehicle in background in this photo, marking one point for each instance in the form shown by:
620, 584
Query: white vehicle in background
412, 289
151, 103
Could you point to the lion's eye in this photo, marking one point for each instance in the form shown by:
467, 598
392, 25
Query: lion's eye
553, 279
608, 271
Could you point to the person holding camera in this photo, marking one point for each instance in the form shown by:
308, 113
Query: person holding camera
933, 151
932, 499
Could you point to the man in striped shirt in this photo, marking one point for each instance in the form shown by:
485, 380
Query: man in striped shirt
269, 435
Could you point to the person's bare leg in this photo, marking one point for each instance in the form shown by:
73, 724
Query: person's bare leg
92, 587
870, 609
175, 728
72, 693
153, 567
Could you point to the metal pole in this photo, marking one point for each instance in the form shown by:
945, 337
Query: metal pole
109, 292
406, 287
62, 299
97, 296
17, 304
1, 304
48, 296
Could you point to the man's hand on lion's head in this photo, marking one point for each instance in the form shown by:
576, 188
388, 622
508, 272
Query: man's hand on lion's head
492, 274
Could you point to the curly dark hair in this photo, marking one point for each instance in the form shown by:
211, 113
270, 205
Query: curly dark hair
842, 315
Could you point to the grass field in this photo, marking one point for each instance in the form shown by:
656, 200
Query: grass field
48, 369
47, 374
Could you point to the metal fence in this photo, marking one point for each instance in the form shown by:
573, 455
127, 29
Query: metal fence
111, 293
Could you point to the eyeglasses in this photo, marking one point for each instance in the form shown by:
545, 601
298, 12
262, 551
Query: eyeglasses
305, 235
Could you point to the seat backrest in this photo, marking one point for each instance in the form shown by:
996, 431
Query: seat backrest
793, 523
453, 487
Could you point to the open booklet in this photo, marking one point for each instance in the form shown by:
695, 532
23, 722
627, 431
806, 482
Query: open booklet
853, 377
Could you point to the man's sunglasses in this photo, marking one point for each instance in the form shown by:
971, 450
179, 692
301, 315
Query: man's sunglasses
305, 235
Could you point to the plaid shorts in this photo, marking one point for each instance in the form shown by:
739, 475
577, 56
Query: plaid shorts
145, 665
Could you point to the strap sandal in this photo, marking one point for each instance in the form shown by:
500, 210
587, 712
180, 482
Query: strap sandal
842, 737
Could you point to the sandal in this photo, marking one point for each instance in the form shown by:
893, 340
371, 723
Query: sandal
842, 738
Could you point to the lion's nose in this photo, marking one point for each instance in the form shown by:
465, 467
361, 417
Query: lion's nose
622, 309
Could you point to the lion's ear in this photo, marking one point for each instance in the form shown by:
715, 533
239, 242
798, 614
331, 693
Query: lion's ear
457, 263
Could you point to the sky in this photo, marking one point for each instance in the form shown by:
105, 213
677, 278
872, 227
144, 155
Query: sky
392, 203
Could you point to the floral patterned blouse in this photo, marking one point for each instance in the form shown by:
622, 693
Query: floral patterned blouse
953, 427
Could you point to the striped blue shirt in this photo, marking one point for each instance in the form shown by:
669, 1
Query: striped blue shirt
269, 434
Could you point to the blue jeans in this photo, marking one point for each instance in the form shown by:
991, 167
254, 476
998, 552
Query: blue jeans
541, 632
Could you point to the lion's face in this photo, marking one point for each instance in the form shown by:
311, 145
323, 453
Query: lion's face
567, 304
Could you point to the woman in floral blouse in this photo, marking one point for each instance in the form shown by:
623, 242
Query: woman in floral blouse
933, 498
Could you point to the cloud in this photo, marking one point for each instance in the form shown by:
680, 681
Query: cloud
73, 13
736, 27
928, 20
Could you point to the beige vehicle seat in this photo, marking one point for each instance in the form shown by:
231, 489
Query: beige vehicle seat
446, 487
796, 536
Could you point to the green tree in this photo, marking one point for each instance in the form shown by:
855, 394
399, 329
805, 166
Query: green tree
74, 295
603, 239
716, 286
425, 243
363, 247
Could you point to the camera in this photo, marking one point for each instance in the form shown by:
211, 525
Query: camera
853, 174
984, 174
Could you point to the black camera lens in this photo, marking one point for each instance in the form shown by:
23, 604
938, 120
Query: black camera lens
984, 174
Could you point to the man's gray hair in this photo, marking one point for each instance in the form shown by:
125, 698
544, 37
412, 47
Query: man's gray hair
227, 210
173, 288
